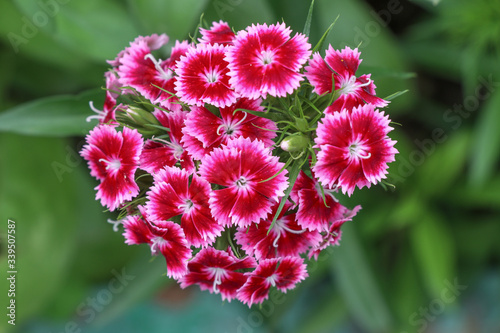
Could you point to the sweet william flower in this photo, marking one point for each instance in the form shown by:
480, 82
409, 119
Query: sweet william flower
202, 77
113, 158
204, 131
152, 78
337, 71
219, 33
314, 212
243, 168
284, 238
354, 148
174, 193
283, 273
158, 153
218, 272
169, 240
332, 236
264, 60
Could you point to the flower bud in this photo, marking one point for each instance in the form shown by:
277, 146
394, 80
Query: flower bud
295, 142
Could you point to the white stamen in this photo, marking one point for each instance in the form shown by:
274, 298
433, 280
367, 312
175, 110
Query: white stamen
156, 244
232, 127
164, 75
115, 224
100, 113
178, 150
272, 280
115, 164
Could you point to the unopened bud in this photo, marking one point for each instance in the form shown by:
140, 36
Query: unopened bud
295, 142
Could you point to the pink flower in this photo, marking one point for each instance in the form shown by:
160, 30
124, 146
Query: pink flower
169, 240
219, 33
337, 71
286, 237
152, 78
243, 168
202, 77
333, 234
160, 153
174, 194
218, 272
113, 158
107, 115
283, 273
354, 148
204, 131
153, 42
265, 60
313, 212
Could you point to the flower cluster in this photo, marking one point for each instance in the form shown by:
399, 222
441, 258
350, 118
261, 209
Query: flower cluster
229, 156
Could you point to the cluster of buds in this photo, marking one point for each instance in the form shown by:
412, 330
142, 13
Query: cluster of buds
229, 157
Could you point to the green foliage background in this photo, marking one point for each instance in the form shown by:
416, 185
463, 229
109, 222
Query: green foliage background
397, 259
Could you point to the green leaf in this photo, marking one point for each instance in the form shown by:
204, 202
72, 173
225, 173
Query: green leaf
439, 162
358, 285
485, 151
175, 18
434, 250
52, 116
45, 209
307, 25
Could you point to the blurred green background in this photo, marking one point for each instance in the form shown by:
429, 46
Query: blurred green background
424, 257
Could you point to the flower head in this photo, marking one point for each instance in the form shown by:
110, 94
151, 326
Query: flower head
244, 168
265, 60
218, 272
338, 72
314, 212
219, 33
202, 77
158, 153
169, 240
152, 78
113, 158
174, 193
204, 131
285, 237
354, 148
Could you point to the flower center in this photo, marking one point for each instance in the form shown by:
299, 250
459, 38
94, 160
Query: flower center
272, 279
266, 57
231, 127
187, 206
350, 86
357, 150
113, 164
212, 76
218, 274
164, 75
241, 183
155, 244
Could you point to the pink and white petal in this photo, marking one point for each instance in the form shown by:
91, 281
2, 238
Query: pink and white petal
291, 270
136, 230
172, 244
319, 75
163, 202
114, 191
254, 291
345, 62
